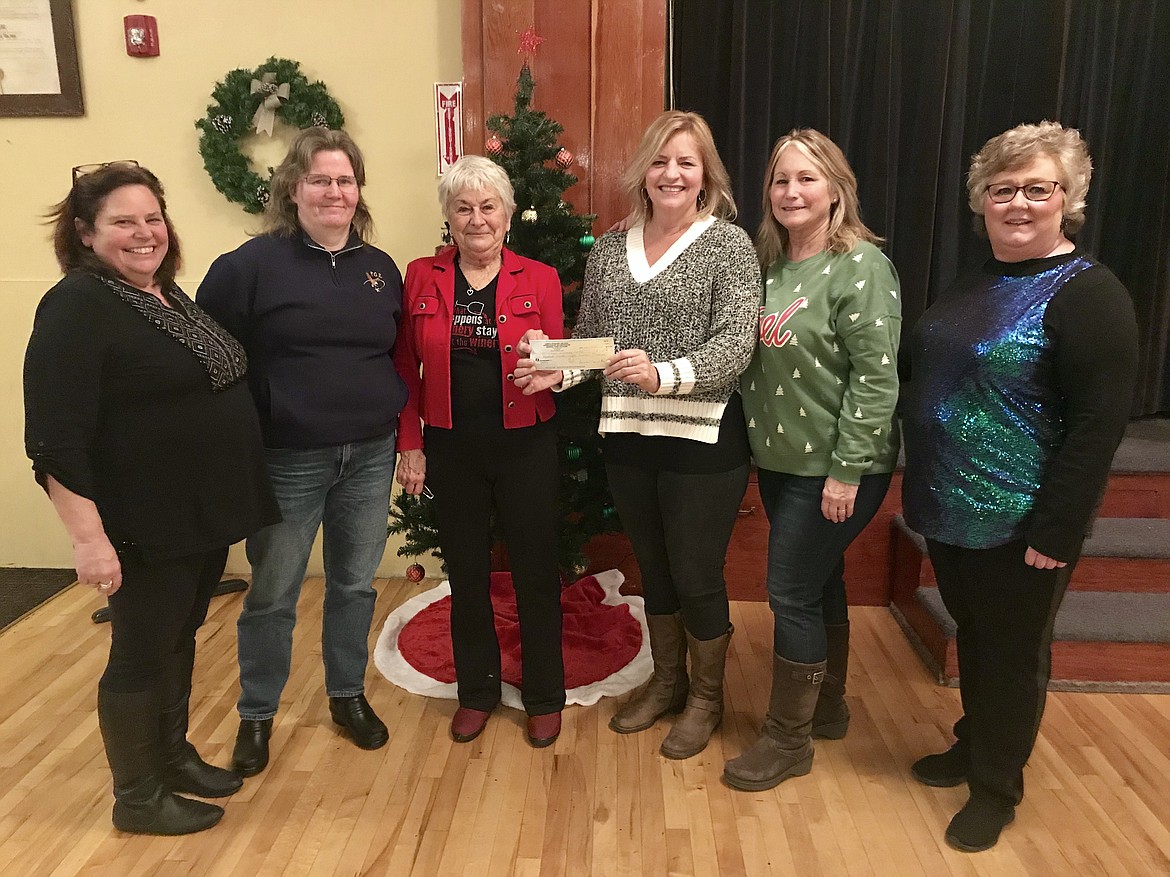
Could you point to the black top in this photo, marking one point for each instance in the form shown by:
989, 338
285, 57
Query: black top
476, 369
121, 413
319, 328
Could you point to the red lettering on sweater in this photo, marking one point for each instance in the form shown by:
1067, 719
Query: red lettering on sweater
771, 324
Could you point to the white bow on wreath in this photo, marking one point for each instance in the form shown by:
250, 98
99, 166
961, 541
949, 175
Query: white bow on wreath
265, 116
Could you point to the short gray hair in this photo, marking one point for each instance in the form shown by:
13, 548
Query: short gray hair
478, 174
1016, 148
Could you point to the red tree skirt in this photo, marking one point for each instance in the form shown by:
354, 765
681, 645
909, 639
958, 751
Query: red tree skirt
606, 648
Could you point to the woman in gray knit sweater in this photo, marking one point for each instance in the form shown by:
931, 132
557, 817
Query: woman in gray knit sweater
679, 293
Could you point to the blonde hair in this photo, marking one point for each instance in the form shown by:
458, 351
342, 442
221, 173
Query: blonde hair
280, 216
1018, 147
715, 198
846, 230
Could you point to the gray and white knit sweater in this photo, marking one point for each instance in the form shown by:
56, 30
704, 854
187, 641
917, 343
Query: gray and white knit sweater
695, 313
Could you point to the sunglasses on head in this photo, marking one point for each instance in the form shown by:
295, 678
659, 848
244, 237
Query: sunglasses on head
83, 169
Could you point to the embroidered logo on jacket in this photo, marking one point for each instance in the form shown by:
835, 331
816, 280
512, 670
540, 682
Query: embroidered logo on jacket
375, 281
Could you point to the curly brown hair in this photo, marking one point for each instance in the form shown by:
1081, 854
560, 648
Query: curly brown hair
80, 208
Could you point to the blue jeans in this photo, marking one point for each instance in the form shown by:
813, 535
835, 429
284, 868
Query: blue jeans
806, 558
346, 490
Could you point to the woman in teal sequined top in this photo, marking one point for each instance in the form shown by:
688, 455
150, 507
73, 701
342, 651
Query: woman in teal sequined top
1021, 385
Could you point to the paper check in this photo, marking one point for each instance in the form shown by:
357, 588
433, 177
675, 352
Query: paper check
550, 354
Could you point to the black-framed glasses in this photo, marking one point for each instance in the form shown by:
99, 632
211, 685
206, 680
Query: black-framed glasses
1002, 193
324, 181
83, 169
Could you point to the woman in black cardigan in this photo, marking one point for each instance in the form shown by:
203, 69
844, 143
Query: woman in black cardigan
146, 441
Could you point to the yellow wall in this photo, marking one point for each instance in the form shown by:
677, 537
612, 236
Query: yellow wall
379, 60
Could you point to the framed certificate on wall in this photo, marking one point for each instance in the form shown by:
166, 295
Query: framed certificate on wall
39, 75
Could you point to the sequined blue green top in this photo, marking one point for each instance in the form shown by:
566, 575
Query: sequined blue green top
985, 418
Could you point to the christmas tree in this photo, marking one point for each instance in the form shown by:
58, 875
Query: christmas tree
546, 229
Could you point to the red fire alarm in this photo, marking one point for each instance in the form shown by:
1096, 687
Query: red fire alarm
141, 36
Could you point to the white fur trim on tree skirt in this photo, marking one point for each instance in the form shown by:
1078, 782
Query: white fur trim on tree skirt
389, 661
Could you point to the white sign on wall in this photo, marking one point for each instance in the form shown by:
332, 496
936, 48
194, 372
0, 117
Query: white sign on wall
448, 123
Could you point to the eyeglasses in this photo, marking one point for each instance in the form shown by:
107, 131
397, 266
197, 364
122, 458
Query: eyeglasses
83, 169
1002, 193
322, 182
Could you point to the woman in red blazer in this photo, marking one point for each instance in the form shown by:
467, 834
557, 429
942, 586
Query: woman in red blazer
487, 445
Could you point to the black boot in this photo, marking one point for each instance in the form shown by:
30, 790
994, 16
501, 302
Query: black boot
251, 753
945, 769
142, 804
356, 716
182, 768
977, 826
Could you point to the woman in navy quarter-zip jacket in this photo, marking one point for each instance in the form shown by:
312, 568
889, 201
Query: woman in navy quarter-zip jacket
317, 309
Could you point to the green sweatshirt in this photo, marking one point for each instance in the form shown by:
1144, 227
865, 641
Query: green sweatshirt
819, 393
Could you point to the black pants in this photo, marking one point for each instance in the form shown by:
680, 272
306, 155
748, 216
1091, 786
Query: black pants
679, 525
471, 471
154, 616
1005, 611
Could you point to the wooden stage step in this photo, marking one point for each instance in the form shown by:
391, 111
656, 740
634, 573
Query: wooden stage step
1121, 554
1112, 631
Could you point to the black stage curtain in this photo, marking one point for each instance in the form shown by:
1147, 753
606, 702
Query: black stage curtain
910, 89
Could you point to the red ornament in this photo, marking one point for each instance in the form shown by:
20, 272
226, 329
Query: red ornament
564, 158
415, 572
494, 145
529, 42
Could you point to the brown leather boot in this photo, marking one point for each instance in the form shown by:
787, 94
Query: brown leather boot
704, 710
784, 748
831, 717
666, 692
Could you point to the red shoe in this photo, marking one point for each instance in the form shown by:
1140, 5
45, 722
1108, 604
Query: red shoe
543, 730
467, 724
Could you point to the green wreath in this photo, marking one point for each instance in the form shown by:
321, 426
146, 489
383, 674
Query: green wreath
291, 98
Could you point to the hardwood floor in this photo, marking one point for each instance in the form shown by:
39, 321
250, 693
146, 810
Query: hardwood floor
596, 803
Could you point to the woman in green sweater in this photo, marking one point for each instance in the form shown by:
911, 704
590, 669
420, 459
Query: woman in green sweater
819, 400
